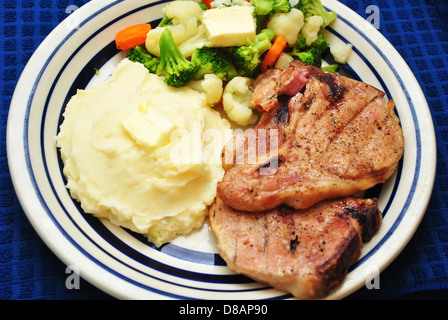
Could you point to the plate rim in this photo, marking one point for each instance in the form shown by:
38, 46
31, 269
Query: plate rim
93, 5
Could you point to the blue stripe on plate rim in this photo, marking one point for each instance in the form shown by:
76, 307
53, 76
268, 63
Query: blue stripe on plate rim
28, 160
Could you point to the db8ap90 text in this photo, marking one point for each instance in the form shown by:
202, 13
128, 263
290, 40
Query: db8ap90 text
251, 309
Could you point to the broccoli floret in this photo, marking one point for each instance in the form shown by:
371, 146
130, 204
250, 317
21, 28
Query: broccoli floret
264, 7
300, 44
266, 34
281, 6
178, 71
211, 60
247, 58
332, 68
320, 43
140, 54
315, 8
312, 56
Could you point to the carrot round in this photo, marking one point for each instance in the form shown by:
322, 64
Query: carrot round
132, 36
273, 53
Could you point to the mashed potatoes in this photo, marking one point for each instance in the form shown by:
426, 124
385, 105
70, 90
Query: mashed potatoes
142, 154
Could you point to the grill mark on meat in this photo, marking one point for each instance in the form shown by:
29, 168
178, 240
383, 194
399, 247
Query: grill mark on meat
281, 117
306, 252
285, 219
363, 216
307, 103
293, 243
334, 269
271, 166
251, 238
265, 235
341, 137
343, 121
342, 144
336, 89
278, 254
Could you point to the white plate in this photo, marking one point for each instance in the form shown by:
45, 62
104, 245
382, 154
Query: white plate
124, 264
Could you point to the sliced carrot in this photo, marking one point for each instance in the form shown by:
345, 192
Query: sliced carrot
132, 36
208, 3
273, 53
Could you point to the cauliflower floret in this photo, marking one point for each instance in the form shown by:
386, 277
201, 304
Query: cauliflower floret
181, 32
186, 17
341, 51
235, 100
287, 24
211, 85
197, 41
311, 29
283, 60
182, 10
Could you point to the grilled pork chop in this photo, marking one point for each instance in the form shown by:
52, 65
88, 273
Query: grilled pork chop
333, 136
305, 252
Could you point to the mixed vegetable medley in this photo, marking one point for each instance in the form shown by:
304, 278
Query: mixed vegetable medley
231, 40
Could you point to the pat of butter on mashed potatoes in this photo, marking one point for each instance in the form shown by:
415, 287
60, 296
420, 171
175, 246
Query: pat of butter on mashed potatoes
141, 154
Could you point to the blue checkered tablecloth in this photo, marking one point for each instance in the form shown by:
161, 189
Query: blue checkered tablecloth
419, 31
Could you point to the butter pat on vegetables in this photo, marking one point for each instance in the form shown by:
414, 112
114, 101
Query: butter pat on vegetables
229, 26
